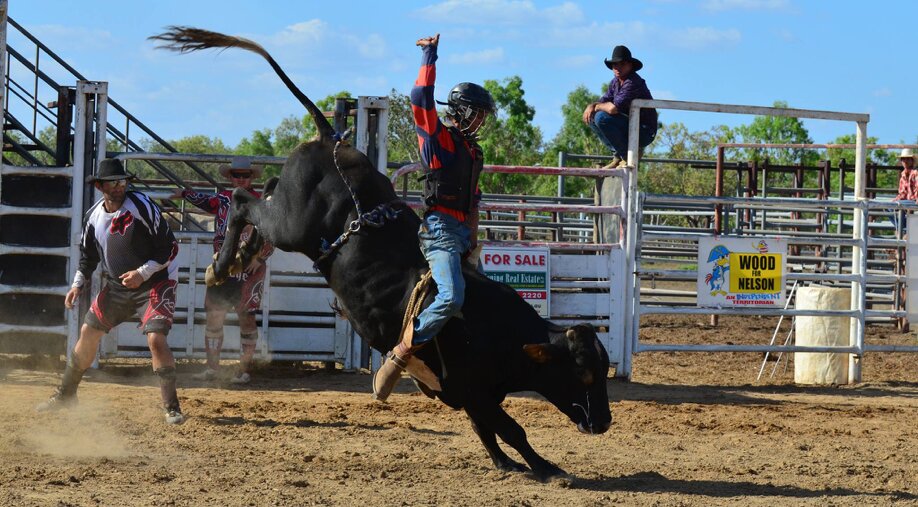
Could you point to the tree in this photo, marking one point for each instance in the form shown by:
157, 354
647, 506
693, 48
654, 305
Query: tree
777, 130
674, 141
575, 137
510, 138
259, 144
402, 136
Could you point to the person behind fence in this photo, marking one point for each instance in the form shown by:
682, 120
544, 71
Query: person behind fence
241, 293
452, 162
609, 116
125, 232
908, 178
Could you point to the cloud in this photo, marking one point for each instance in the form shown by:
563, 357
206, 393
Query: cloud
316, 37
882, 92
71, 37
587, 35
749, 5
307, 33
486, 56
664, 95
500, 12
577, 61
786, 35
696, 38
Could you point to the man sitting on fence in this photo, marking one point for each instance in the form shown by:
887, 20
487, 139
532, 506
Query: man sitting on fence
609, 117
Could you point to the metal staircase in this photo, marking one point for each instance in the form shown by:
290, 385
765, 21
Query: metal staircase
56, 126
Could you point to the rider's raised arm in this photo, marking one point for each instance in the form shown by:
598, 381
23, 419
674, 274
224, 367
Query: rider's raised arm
434, 141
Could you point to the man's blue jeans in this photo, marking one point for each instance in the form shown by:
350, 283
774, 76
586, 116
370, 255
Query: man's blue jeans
443, 240
612, 130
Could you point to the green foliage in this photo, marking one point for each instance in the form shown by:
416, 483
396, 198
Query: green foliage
258, 145
510, 138
201, 144
777, 130
675, 141
887, 178
402, 136
880, 157
575, 137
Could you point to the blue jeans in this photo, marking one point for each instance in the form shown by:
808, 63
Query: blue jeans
443, 240
612, 130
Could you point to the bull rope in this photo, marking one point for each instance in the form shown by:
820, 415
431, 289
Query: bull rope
377, 217
418, 295
415, 302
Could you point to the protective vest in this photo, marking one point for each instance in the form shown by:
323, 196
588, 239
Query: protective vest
453, 185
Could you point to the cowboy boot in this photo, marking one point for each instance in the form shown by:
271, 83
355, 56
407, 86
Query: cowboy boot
390, 372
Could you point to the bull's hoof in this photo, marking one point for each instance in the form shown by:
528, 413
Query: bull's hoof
550, 473
508, 465
210, 278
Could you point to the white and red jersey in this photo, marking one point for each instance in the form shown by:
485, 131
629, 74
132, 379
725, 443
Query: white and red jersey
219, 205
136, 236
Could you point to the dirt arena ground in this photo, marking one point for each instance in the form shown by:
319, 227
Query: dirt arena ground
690, 429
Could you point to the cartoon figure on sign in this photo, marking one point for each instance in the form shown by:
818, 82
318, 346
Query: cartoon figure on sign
761, 246
720, 256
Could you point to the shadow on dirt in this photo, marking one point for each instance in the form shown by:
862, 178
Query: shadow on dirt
749, 394
298, 376
307, 423
653, 482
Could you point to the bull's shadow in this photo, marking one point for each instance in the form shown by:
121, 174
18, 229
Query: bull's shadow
332, 205
653, 482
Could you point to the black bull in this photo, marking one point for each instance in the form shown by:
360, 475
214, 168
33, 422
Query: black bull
500, 346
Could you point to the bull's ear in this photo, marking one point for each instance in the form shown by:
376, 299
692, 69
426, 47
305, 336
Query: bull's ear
538, 352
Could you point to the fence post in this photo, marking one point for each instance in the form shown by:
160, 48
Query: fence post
858, 256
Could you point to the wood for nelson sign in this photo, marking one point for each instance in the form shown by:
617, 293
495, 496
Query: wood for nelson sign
741, 272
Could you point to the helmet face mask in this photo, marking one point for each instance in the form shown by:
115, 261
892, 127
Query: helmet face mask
469, 119
469, 105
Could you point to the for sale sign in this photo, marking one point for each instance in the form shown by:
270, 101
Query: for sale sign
526, 269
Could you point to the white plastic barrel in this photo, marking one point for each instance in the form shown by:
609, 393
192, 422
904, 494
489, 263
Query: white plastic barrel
818, 367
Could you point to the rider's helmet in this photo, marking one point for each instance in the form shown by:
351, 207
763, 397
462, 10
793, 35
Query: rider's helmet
468, 106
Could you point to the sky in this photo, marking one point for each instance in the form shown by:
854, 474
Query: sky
826, 55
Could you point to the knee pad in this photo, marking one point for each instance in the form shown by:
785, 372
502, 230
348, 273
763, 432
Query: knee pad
248, 338
213, 340
166, 373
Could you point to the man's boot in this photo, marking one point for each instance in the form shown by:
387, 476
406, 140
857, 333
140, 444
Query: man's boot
400, 359
390, 372
65, 395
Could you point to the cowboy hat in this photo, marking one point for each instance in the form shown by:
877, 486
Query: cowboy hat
623, 54
240, 164
110, 169
907, 153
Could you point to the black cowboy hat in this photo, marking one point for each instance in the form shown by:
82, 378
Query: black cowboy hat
623, 54
110, 169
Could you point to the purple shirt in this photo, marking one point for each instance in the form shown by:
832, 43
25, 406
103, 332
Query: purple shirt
621, 94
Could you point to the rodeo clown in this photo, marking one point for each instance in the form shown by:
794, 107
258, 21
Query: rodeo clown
452, 164
241, 293
127, 233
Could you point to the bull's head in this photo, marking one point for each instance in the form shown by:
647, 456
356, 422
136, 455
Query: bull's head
573, 369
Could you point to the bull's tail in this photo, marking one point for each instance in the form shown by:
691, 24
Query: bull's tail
186, 39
